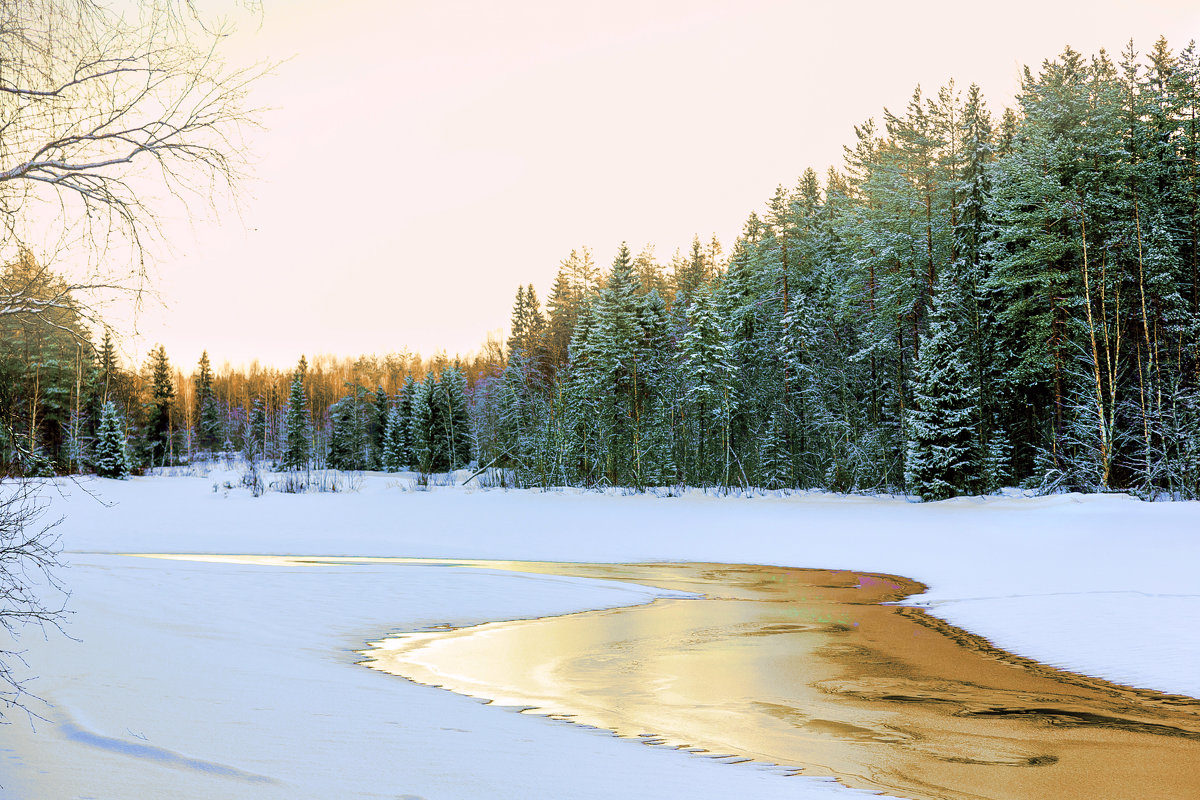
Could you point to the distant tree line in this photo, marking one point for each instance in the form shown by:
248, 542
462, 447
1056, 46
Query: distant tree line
69, 406
971, 302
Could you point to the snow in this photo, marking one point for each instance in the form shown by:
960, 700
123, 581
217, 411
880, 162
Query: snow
193, 679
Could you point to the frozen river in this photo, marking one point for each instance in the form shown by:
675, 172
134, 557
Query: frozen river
203, 679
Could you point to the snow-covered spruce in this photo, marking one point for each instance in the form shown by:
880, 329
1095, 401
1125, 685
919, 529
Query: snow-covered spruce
109, 456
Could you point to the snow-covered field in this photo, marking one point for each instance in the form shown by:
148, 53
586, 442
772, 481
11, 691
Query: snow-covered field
208, 680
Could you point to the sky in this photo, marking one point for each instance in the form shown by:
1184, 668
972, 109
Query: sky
420, 160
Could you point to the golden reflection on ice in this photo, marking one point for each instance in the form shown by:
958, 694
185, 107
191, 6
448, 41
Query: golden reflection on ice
805, 668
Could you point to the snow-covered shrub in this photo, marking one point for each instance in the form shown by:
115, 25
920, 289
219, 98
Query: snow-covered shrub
252, 479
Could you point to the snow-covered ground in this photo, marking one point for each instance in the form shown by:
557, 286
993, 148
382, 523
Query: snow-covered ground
209, 680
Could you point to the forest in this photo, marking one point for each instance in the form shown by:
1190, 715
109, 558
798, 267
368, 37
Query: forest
974, 300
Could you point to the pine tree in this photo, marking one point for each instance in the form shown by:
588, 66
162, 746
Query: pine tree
876, 232
563, 309
110, 459
690, 272
649, 272
297, 438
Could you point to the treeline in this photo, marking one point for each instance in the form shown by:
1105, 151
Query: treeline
973, 301
69, 406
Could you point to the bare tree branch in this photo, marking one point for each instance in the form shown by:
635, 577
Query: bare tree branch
31, 593
97, 113
100, 112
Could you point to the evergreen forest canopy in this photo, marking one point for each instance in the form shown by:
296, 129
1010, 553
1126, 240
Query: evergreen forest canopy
975, 300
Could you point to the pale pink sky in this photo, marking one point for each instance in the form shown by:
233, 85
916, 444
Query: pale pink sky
424, 158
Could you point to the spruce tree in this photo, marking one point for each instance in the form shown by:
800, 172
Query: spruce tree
775, 463
377, 427
159, 433
422, 437
404, 408
393, 458
110, 459
454, 421
584, 425
974, 271
523, 384
621, 386
256, 438
297, 439
528, 328
658, 458
942, 447
709, 391
208, 411
344, 449
108, 366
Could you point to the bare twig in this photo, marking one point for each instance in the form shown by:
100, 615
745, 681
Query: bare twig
31, 593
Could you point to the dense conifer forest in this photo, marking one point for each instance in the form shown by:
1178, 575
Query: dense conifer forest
976, 299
